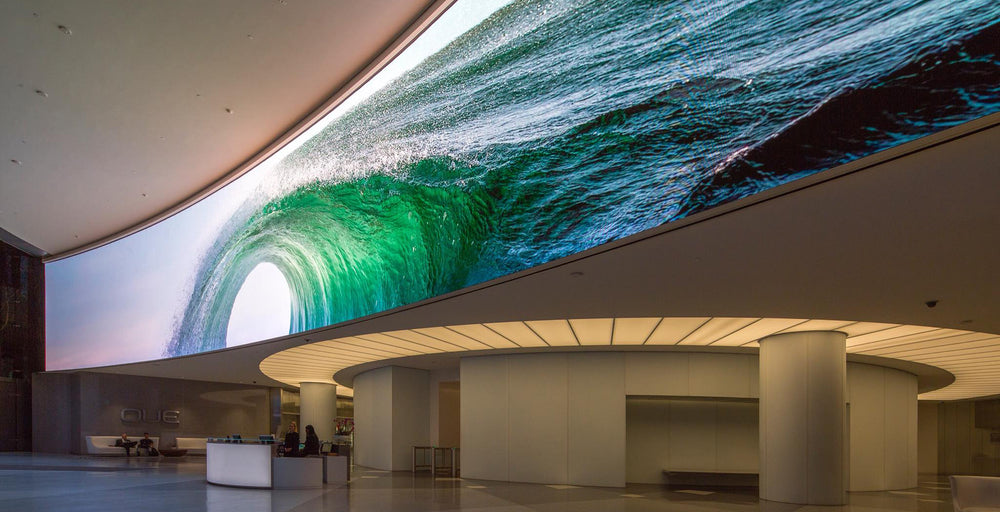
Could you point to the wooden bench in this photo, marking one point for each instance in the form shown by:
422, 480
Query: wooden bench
712, 477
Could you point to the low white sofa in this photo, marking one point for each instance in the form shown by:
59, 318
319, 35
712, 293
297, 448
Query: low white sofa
193, 445
105, 445
975, 493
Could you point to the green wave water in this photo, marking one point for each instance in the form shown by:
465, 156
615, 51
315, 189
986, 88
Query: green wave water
321, 238
555, 126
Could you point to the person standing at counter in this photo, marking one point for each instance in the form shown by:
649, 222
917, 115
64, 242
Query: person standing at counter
291, 445
312, 442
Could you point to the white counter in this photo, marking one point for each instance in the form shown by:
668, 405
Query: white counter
254, 465
239, 465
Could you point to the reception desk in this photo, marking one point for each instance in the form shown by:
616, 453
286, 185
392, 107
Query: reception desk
239, 464
252, 464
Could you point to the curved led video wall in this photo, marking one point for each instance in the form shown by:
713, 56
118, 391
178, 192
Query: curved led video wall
513, 134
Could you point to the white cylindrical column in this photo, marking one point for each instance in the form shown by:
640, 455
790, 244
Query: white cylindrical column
802, 418
318, 408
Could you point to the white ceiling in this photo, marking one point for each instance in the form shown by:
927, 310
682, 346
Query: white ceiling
115, 111
868, 243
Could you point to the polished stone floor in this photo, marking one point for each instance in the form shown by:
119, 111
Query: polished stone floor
30, 482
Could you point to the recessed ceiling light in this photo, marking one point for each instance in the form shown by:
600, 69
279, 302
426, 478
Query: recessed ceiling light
15, 161
229, 110
41, 93
65, 30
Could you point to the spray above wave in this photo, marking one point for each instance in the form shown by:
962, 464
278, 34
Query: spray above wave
555, 126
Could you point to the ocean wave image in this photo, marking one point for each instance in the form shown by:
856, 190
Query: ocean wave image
555, 126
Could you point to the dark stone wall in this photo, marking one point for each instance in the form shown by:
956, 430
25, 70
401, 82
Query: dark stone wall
22, 342
72, 405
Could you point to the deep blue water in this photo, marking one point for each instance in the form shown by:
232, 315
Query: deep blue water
556, 126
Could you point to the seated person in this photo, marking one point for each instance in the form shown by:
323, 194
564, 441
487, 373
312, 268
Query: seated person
312, 442
126, 443
146, 446
291, 445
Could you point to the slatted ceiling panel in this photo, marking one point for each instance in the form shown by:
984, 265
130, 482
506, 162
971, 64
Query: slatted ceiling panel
957, 367
960, 348
755, 331
633, 331
392, 341
974, 358
931, 343
331, 349
593, 331
305, 363
862, 328
313, 360
556, 333
372, 346
484, 334
672, 330
518, 332
958, 359
425, 340
893, 333
459, 340
970, 340
926, 335
818, 325
714, 329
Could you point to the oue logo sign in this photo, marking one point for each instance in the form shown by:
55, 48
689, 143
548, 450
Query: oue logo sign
140, 416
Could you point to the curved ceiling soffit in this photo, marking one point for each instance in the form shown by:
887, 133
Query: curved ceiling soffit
972, 357
397, 45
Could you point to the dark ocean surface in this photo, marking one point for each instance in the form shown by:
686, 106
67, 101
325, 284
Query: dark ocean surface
556, 126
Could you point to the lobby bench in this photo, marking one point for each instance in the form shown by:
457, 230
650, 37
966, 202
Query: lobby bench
712, 477
105, 445
193, 445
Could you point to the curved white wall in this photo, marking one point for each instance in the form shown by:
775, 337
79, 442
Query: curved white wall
883, 430
560, 418
391, 416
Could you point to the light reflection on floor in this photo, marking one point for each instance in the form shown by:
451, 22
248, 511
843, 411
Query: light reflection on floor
74, 483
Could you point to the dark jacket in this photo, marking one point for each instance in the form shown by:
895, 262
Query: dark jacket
312, 445
292, 443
